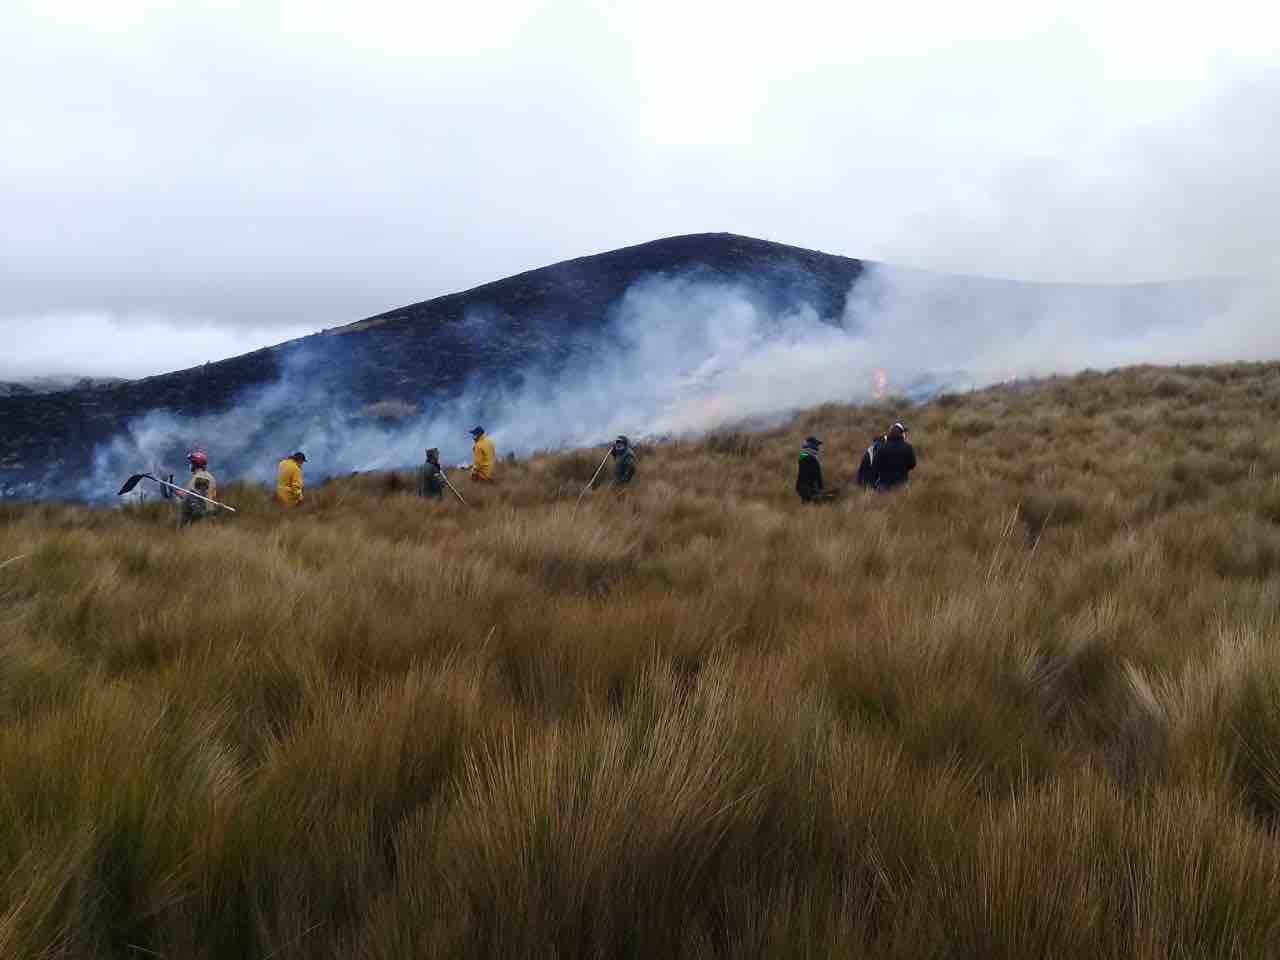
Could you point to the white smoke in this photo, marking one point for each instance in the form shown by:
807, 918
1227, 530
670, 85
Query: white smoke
686, 355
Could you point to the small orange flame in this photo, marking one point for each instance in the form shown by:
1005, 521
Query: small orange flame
881, 384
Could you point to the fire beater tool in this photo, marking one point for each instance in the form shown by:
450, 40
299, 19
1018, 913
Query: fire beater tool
182, 491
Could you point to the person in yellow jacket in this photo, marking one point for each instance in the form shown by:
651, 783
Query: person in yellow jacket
483, 456
289, 479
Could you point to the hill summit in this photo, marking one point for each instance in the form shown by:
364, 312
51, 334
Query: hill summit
678, 334
421, 350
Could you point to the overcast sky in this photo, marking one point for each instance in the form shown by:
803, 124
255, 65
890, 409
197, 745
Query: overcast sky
185, 181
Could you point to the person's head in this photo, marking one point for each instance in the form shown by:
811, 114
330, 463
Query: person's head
198, 459
812, 443
620, 445
477, 433
299, 457
897, 431
433, 455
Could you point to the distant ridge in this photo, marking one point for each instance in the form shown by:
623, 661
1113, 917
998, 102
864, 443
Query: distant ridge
36, 385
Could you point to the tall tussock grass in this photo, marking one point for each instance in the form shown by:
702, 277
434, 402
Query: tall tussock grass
1029, 707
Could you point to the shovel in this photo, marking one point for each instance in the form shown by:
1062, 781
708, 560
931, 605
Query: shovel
183, 491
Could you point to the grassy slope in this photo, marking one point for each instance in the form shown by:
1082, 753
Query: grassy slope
1028, 708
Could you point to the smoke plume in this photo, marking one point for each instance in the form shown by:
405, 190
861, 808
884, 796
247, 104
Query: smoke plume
683, 355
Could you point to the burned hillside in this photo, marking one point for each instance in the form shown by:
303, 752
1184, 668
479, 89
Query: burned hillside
641, 338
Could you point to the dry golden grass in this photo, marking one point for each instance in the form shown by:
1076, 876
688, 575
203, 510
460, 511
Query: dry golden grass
1028, 708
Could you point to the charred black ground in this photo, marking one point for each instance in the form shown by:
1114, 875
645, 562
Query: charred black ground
424, 354
418, 350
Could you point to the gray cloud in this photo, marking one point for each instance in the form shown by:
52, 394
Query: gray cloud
128, 346
290, 166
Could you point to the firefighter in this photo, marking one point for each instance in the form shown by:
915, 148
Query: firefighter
809, 475
289, 479
867, 468
193, 509
483, 456
431, 476
894, 461
624, 462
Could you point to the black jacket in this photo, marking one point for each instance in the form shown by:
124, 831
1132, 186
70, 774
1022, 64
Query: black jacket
867, 469
809, 477
893, 462
430, 480
624, 467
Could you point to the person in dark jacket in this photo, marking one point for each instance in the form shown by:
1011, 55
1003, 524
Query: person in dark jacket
431, 477
866, 469
624, 462
809, 477
894, 461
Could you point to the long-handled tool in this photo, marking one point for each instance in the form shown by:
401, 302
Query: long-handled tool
592, 482
444, 476
182, 491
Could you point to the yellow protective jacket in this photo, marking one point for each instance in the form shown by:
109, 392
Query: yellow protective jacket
289, 482
192, 509
482, 459
202, 482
